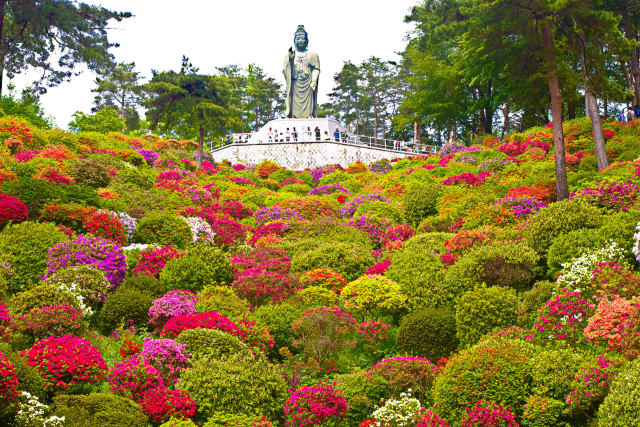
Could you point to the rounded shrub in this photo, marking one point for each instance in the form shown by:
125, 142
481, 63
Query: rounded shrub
43, 294
90, 172
315, 405
557, 219
146, 284
315, 296
485, 310
554, 370
373, 294
221, 299
163, 228
93, 284
363, 393
495, 370
381, 210
211, 342
540, 411
201, 266
566, 247
26, 245
428, 333
504, 264
349, 260
8, 386
278, 318
622, 404
323, 277
215, 386
420, 203
404, 373
125, 305
98, 409
12, 209
29, 379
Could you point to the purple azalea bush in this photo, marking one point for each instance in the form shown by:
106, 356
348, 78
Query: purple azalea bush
329, 189
276, 213
352, 205
521, 207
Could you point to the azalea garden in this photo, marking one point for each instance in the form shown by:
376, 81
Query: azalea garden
440, 290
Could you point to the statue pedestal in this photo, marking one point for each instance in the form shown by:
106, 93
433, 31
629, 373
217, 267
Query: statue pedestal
301, 125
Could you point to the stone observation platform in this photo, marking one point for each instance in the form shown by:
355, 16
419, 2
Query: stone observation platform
307, 150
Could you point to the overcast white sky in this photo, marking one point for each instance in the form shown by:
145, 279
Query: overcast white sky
214, 33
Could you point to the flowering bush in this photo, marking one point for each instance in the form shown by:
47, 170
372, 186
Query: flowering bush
563, 317
291, 181
591, 385
311, 207
428, 418
171, 304
451, 147
610, 279
270, 230
162, 404
462, 242
209, 320
32, 413
53, 174
350, 207
65, 361
398, 232
467, 179
100, 253
167, 356
267, 259
611, 196
541, 411
521, 207
200, 230
323, 277
381, 167
322, 332
258, 286
315, 405
329, 189
8, 385
12, 209
226, 231
152, 261
149, 155
373, 225
616, 323
372, 332
489, 414
55, 320
236, 209
397, 412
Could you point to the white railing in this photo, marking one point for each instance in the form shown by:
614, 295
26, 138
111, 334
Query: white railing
359, 140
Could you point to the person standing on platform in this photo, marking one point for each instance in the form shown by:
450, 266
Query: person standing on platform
317, 131
287, 135
294, 134
336, 135
308, 135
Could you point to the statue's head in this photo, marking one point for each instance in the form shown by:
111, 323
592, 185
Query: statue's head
301, 38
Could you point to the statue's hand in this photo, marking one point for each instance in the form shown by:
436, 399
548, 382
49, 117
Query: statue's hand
314, 84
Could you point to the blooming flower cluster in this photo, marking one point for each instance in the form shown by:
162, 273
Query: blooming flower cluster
200, 230
34, 413
8, 383
428, 418
397, 412
329, 189
563, 317
373, 331
591, 384
489, 414
315, 405
276, 213
352, 205
171, 304
381, 167
149, 155
50, 320
167, 356
152, 261
521, 207
403, 372
12, 209
376, 227
208, 320
318, 173
467, 178
612, 196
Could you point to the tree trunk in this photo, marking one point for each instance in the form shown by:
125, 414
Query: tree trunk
454, 131
587, 107
415, 132
506, 123
629, 81
3, 51
562, 187
596, 123
375, 117
200, 146
628, 32
571, 110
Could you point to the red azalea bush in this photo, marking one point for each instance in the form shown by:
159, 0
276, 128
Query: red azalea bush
271, 229
428, 418
266, 168
315, 405
563, 317
236, 209
54, 320
544, 194
255, 334
54, 175
259, 286
379, 269
209, 320
8, 384
5, 323
58, 153
290, 181
616, 323
267, 259
12, 209
65, 361
17, 128
152, 261
162, 403
467, 179
462, 242
107, 226
489, 414
325, 278
311, 207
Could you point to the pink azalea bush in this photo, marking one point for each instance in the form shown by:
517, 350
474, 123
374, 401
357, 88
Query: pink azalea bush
315, 405
173, 303
209, 320
489, 414
563, 317
152, 261
167, 356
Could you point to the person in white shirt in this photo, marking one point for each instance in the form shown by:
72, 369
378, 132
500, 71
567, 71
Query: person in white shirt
287, 135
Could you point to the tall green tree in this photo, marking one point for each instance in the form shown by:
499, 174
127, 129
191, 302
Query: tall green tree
263, 96
188, 104
53, 36
118, 87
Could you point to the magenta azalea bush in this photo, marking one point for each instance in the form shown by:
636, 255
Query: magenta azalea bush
315, 405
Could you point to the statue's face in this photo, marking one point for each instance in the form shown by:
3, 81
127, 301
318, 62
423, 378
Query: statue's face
301, 41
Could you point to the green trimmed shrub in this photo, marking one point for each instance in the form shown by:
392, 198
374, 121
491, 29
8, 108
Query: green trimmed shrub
363, 393
223, 300
298, 189
429, 242
542, 411
201, 266
428, 333
505, 264
144, 283
485, 310
278, 318
38, 296
163, 228
282, 174
29, 379
216, 385
421, 278
26, 247
622, 405
98, 409
420, 203
559, 218
35, 193
90, 172
223, 419
553, 371
125, 305
322, 231
315, 296
495, 370
139, 177
211, 342
348, 259
373, 294
571, 245
532, 300
92, 282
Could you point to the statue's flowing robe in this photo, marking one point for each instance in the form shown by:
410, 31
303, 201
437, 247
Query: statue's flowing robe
304, 102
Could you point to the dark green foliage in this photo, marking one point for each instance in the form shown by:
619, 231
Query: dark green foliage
420, 203
557, 219
553, 371
278, 318
163, 228
26, 245
506, 264
40, 295
571, 245
90, 172
35, 193
282, 174
363, 394
485, 310
98, 410
145, 284
428, 333
348, 259
381, 210
532, 300
202, 266
124, 305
